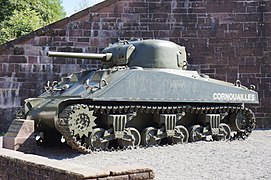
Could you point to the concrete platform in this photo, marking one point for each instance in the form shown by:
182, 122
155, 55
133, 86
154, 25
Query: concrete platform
17, 165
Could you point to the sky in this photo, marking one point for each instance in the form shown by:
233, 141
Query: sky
72, 6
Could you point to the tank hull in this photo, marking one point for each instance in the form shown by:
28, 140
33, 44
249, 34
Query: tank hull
159, 87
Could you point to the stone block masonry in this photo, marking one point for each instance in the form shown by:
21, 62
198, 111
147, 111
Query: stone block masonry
224, 39
20, 136
17, 165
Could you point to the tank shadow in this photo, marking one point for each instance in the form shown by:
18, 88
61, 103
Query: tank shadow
58, 152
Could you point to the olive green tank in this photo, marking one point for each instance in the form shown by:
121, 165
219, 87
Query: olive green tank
144, 96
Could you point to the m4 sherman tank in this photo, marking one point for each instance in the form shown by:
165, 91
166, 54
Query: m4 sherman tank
145, 96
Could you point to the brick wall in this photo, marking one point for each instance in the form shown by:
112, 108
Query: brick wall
225, 39
16, 165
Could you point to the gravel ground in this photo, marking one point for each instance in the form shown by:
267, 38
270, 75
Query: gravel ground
240, 159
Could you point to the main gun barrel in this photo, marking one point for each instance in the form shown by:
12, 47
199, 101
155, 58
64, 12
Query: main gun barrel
102, 57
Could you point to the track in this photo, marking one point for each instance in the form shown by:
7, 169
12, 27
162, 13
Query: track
77, 141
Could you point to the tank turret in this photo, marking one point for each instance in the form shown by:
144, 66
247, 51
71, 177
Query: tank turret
137, 53
146, 97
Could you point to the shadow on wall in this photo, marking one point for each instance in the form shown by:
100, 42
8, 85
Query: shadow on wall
7, 115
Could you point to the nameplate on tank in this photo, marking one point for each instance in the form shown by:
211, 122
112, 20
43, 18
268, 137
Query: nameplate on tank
233, 97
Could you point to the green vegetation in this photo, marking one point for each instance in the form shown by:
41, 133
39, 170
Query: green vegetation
18, 18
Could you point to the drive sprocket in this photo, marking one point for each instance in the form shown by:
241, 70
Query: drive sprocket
81, 120
76, 122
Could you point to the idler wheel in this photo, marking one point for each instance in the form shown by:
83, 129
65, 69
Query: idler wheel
181, 135
241, 121
149, 137
196, 133
96, 139
131, 138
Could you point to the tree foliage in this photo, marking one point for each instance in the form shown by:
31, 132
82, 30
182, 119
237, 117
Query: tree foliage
18, 17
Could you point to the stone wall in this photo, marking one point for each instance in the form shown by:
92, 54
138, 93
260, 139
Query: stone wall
224, 39
16, 165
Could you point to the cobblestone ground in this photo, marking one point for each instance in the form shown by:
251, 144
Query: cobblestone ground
240, 159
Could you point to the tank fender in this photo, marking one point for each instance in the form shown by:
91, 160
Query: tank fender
71, 101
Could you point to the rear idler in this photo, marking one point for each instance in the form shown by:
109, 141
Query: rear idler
243, 122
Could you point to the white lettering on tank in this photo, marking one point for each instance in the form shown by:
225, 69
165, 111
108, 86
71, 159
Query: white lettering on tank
233, 97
